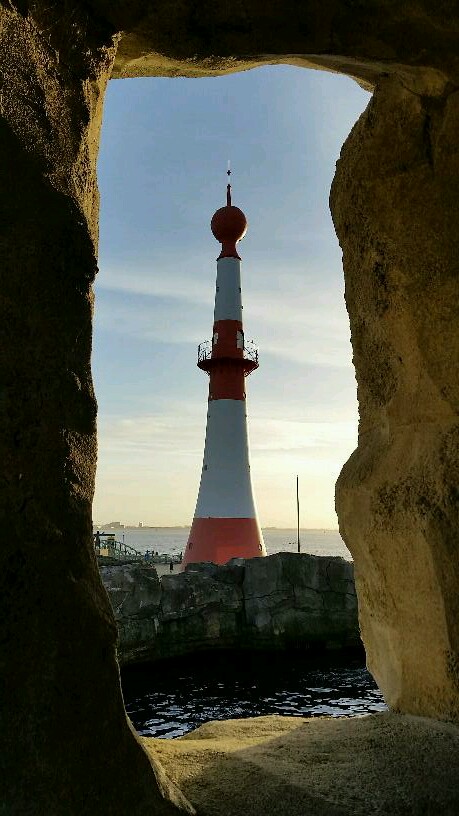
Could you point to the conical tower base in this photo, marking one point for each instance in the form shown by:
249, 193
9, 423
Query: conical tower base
220, 539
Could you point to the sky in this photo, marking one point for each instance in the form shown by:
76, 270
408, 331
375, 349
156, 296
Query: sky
162, 174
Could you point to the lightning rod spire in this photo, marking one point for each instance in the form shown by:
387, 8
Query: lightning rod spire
228, 187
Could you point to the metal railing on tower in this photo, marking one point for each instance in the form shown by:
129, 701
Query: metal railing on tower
250, 354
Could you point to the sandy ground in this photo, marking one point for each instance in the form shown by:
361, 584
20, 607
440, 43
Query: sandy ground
378, 764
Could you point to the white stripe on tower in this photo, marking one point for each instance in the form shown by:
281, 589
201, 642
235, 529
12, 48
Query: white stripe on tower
225, 523
226, 487
228, 298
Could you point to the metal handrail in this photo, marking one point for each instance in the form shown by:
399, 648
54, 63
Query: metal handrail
250, 351
124, 552
204, 351
116, 549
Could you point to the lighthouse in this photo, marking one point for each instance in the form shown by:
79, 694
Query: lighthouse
225, 523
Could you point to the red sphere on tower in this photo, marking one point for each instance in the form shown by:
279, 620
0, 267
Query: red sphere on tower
229, 225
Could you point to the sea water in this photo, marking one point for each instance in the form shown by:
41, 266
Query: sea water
169, 699
172, 698
172, 540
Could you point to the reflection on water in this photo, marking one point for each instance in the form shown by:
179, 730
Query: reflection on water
169, 699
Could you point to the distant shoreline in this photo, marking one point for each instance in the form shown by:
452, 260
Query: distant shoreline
127, 527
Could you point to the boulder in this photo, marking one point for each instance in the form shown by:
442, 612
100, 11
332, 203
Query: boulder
135, 594
294, 600
200, 610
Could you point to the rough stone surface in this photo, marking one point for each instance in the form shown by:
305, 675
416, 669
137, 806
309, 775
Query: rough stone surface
284, 601
418, 41
201, 610
299, 600
135, 595
382, 764
64, 736
395, 205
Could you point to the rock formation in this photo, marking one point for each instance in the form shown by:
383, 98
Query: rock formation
64, 736
379, 765
285, 601
394, 205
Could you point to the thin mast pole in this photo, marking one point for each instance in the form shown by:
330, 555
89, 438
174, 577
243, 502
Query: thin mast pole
298, 515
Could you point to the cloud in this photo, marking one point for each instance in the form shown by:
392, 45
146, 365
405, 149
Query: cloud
292, 317
180, 433
162, 280
151, 318
272, 435
153, 463
171, 433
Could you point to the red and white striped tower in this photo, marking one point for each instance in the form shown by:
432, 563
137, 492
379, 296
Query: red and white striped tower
225, 522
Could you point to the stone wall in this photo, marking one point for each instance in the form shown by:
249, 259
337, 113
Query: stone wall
284, 601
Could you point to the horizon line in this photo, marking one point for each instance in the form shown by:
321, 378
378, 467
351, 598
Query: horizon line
188, 526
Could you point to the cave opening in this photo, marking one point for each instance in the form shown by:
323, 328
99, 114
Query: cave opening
161, 172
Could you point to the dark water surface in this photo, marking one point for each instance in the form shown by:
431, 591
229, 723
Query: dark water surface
168, 699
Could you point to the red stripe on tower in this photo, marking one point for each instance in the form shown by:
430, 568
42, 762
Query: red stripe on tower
225, 522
